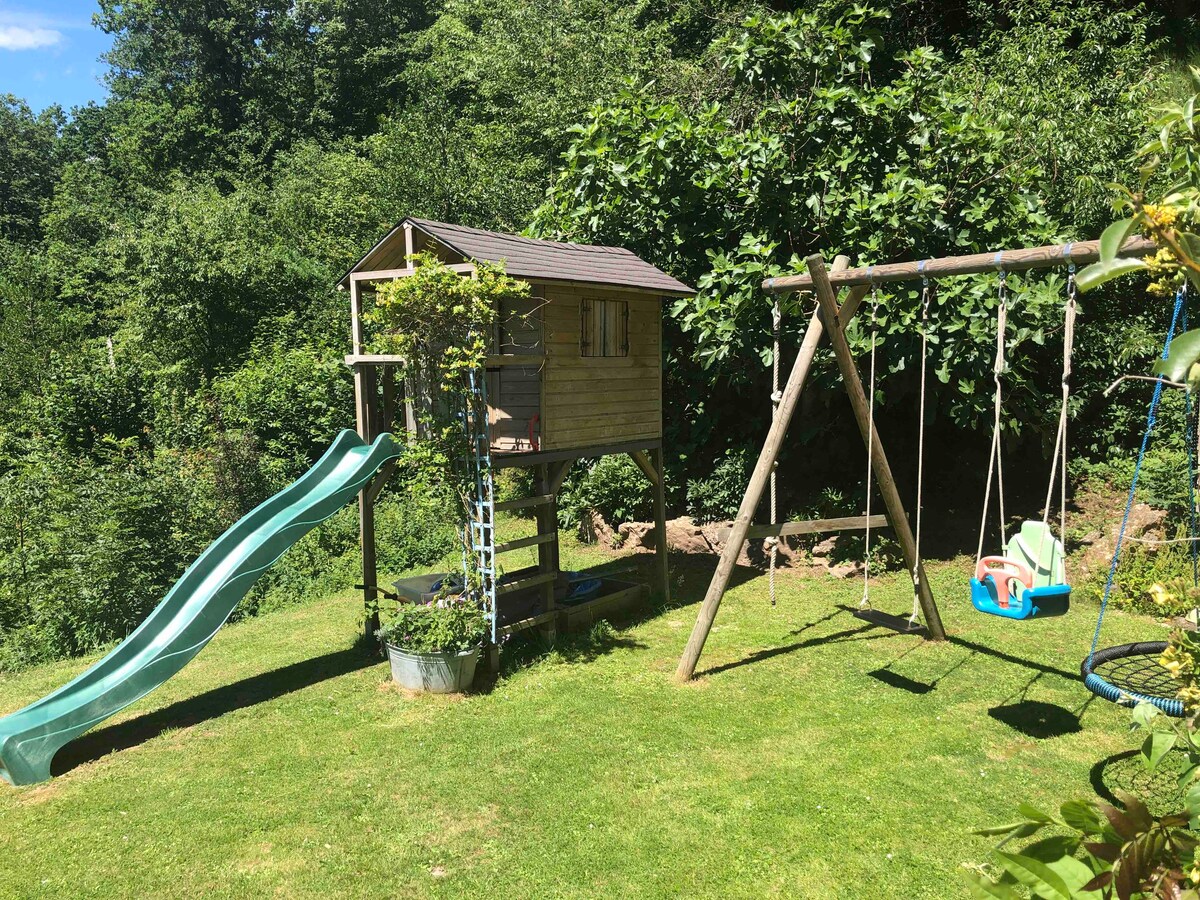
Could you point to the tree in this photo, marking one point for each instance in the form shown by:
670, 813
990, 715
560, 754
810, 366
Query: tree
28, 166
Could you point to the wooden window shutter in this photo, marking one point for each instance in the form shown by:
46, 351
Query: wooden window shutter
604, 328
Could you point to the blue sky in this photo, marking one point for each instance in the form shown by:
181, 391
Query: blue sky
50, 52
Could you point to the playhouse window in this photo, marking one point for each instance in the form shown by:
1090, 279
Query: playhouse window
605, 328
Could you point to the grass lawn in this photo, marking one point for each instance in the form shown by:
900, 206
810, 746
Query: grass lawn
815, 757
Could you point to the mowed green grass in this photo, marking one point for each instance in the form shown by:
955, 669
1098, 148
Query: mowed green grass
281, 762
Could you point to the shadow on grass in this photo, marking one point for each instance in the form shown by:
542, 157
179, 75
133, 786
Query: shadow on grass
903, 682
1026, 713
1037, 719
836, 637
529, 647
889, 676
210, 705
1125, 772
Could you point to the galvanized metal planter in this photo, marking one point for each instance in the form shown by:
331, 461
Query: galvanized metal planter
434, 673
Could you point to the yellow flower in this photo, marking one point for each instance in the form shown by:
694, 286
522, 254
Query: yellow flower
1164, 216
1161, 595
1189, 697
1176, 660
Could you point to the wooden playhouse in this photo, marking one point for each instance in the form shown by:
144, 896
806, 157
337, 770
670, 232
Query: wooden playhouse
575, 373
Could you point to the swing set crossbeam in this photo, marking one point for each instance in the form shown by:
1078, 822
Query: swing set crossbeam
1081, 253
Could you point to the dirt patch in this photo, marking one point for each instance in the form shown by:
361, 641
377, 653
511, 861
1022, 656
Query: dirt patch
1094, 524
391, 687
686, 536
43, 793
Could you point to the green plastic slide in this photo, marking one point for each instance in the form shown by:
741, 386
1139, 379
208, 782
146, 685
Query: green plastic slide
192, 611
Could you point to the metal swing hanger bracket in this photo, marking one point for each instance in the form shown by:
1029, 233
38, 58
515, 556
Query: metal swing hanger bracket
1079, 253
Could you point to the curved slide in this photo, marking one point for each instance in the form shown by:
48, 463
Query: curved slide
192, 611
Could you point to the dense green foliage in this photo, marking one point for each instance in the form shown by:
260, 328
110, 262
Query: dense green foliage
170, 338
612, 486
450, 625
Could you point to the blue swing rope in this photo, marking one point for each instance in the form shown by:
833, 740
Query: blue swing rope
1189, 437
1094, 682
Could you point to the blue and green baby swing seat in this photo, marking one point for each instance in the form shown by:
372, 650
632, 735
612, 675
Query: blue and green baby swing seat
1029, 581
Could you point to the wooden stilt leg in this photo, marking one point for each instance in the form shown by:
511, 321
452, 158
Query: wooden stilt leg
547, 523
758, 480
883, 471
660, 526
654, 469
364, 389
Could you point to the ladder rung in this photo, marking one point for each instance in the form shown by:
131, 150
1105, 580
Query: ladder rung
522, 624
532, 581
525, 542
524, 503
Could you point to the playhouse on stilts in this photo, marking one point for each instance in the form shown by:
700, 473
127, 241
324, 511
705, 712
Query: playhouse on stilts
575, 372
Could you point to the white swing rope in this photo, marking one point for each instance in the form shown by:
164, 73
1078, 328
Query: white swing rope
776, 397
927, 292
1060, 440
994, 463
865, 602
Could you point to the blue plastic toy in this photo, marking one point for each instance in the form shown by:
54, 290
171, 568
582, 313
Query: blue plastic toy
1004, 587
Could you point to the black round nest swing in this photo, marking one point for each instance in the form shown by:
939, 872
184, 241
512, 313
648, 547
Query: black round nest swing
1129, 674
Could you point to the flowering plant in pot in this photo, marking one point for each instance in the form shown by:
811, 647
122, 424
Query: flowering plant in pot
435, 646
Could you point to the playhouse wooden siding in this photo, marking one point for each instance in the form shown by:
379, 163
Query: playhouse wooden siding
515, 392
573, 400
595, 400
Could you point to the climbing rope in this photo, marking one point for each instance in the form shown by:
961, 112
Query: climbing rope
865, 602
776, 397
927, 292
1151, 421
995, 466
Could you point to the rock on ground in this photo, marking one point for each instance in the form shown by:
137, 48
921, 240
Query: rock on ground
684, 535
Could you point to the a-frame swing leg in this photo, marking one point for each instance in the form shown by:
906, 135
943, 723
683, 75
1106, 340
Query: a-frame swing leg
759, 478
897, 517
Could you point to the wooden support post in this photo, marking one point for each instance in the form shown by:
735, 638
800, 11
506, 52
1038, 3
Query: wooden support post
388, 374
365, 417
558, 474
643, 462
883, 471
758, 481
660, 525
547, 524
810, 526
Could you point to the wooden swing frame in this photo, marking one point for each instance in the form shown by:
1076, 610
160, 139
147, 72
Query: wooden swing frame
832, 317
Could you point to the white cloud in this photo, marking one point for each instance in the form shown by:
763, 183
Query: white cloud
19, 37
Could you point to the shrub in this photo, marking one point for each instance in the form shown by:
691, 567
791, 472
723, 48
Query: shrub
716, 497
91, 546
613, 486
515, 484
1141, 568
293, 400
451, 624
414, 527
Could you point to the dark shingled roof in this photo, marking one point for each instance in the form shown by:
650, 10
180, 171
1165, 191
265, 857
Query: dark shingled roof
531, 258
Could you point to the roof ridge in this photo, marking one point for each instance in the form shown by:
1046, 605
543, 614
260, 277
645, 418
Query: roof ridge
504, 235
